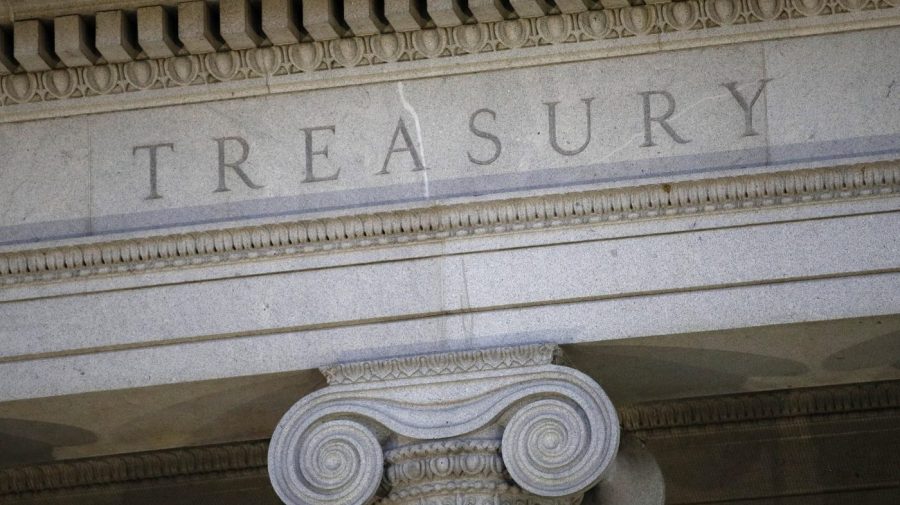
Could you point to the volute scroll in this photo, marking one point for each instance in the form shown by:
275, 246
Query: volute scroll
494, 426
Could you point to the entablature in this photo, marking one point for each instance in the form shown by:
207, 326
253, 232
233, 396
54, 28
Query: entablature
58, 59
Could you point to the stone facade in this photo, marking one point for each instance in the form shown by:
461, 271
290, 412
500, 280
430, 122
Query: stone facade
449, 252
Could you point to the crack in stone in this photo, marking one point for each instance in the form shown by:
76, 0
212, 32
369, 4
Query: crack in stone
412, 111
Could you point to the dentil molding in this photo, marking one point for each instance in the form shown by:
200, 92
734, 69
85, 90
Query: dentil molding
254, 65
297, 238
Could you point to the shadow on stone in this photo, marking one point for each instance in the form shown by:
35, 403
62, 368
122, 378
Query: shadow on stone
881, 351
25, 442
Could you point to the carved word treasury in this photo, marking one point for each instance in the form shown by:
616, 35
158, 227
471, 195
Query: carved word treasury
230, 153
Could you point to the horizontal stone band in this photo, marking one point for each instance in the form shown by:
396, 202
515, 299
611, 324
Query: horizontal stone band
435, 223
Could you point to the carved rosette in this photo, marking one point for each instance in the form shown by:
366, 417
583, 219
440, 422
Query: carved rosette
495, 426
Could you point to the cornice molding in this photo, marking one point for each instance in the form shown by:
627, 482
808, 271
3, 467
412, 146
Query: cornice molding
443, 50
223, 461
292, 239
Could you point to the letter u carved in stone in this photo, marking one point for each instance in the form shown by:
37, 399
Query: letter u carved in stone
493, 426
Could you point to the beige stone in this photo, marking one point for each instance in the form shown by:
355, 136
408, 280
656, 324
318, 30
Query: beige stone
361, 17
531, 8
71, 41
237, 24
574, 6
156, 35
320, 19
195, 28
488, 10
446, 12
115, 37
279, 21
31, 46
404, 15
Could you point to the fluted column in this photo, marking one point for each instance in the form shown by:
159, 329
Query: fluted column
494, 426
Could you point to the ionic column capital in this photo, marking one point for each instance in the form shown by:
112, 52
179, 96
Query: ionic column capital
486, 424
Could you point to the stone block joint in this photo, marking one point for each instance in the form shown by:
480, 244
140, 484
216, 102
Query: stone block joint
490, 426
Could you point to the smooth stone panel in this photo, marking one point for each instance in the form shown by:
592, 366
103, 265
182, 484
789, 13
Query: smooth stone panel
45, 174
630, 267
853, 89
588, 321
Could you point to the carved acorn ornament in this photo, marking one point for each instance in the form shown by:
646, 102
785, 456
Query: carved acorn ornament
596, 24
183, 70
20, 88
513, 33
347, 52
682, 15
141, 74
554, 29
430, 43
61, 83
102, 79
471, 38
307, 56
389, 47
223, 66
723, 12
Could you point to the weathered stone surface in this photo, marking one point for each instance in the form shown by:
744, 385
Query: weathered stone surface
574, 35
237, 22
489, 10
279, 21
32, 46
360, 147
555, 428
362, 18
320, 19
115, 38
71, 41
195, 28
446, 12
404, 15
156, 32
